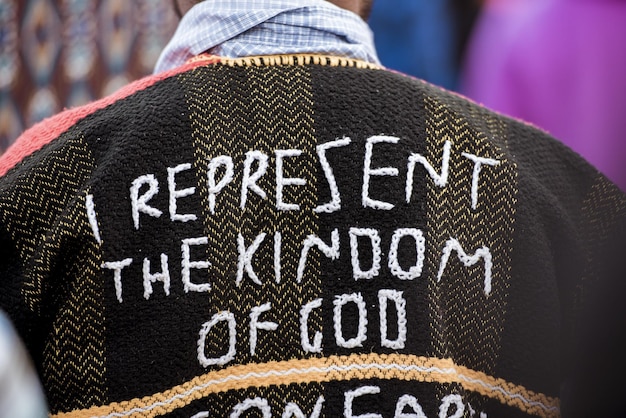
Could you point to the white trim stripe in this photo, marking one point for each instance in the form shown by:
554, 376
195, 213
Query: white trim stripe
334, 368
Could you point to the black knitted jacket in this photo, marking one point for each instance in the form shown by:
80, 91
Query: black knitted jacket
298, 236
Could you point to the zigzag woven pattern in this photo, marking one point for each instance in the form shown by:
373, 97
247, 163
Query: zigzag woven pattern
467, 326
45, 214
278, 105
74, 358
273, 112
37, 199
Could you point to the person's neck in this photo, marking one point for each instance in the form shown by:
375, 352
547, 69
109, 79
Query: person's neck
351, 5
360, 7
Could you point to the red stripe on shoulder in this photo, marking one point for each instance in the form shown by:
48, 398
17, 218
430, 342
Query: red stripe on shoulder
48, 130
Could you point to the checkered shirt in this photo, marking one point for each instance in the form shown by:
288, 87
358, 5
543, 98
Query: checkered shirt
238, 28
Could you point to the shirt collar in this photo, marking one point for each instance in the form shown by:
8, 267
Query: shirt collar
237, 28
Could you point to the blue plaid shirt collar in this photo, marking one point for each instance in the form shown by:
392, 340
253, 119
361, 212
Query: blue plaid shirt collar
239, 28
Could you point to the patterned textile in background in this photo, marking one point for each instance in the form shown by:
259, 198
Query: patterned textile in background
56, 54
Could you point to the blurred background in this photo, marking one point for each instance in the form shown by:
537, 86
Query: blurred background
559, 64
56, 54
424, 38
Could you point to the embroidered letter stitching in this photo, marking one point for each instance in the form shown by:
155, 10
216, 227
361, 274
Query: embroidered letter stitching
408, 400
249, 181
140, 203
232, 340
478, 163
176, 194
293, 411
277, 246
420, 248
187, 265
256, 325
317, 410
331, 252
91, 215
357, 273
117, 267
340, 302
439, 179
245, 259
368, 171
383, 296
306, 310
467, 260
215, 188
335, 202
258, 403
447, 402
282, 181
148, 278
351, 395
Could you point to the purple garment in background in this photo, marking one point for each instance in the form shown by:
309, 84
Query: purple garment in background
561, 65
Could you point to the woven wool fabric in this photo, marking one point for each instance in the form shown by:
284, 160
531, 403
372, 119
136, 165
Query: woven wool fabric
299, 236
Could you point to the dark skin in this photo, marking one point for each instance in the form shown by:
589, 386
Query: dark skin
360, 7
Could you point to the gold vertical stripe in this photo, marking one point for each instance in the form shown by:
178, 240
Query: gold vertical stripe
273, 112
45, 214
74, 359
466, 324
235, 110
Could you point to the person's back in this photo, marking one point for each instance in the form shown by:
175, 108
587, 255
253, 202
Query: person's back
298, 235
